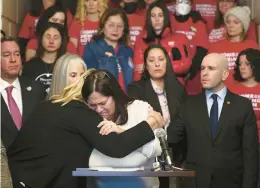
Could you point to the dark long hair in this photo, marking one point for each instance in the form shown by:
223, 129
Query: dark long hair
175, 91
62, 50
108, 86
37, 7
106, 15
47, 14
219, 18
253, 57
151, 35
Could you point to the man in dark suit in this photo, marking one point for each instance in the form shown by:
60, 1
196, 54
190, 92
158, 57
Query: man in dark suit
221, 132
19, 95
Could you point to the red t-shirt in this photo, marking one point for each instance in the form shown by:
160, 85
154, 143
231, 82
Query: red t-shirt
83, 35
231, 50
141, 12
252, 93
136, 25
33, 45
27, 29
207, 9
219, 33
195, 32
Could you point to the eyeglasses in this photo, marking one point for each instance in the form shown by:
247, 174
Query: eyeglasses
101, 75
116, 26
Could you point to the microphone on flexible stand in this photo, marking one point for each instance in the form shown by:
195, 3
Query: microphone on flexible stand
161, 135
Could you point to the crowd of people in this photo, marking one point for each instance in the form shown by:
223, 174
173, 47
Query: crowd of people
92, 89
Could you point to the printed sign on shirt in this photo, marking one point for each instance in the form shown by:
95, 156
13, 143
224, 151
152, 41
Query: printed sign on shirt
134, 31
255, 100
231, 57
217, 34
45, 79
206, 10
189, 34
85, 36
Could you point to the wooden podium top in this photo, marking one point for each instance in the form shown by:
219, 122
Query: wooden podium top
84, 172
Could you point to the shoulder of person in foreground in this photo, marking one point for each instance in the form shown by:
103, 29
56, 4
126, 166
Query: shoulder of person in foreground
34, 87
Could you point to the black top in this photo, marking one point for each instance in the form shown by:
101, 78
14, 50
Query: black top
38, 70
55, 140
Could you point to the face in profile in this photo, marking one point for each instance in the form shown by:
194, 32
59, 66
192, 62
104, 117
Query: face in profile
234, 26
75, 70
225, 5
51, 40
58, 17
91, 6
213, 74
114, 28
245, 68
157, 19
156, 63
11, 61
103, 105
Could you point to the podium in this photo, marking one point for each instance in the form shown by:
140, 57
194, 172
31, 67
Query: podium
90, 174
84, 172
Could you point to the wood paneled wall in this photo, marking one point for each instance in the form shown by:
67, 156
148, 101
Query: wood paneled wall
12, 15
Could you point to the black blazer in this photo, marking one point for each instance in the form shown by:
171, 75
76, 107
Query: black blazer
230, 158
56, 140
176, 95
143, 90
30, 98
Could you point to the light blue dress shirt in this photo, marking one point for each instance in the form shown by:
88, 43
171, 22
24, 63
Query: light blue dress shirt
221, 97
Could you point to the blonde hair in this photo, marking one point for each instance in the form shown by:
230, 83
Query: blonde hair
81, 12
60, 73
73, 91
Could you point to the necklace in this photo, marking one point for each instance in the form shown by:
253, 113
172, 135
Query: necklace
159, 90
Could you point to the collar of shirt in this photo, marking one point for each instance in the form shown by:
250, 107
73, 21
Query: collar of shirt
4, 84
221, 94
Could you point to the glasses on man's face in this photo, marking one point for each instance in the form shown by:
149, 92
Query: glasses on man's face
111, 26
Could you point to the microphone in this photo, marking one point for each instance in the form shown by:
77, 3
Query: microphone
161, 134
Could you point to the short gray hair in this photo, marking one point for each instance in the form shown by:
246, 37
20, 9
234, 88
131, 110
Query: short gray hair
60, 71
